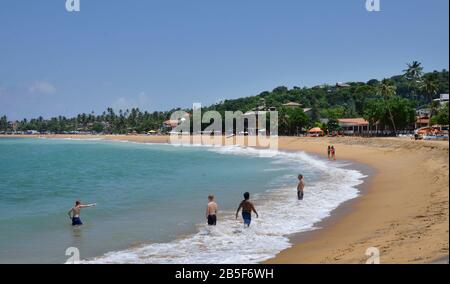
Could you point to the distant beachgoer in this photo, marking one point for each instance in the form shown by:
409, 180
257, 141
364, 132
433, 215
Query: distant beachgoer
74, 213
329, 152
300, 187
247, 209
211, 211
333, 153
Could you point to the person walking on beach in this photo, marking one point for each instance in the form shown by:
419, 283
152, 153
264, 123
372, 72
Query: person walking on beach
247, 209
300, 187
74, 213
333, 153
329, 152
211, 211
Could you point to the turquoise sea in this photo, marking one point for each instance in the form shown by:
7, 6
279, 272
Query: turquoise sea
151, 200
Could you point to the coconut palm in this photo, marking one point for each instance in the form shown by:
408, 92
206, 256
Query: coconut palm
414, 70
387, 91
434, 109
430, 87
414, 73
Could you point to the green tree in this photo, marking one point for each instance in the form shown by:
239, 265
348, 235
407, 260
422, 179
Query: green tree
414, 70
387, 91
4, 123
404, 112
430, 86
98, 127
413, 74
395, 110
434, 107
375, 111
293, 120
441, 117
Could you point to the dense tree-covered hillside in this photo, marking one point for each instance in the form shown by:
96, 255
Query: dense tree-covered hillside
391, 102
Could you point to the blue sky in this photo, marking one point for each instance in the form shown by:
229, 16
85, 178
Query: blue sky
170, 53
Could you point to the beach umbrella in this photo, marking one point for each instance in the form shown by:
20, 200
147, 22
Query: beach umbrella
315, 130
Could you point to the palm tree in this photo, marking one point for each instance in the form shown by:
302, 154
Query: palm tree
434, 108
414, 70
387, 91
414, 73
430, 87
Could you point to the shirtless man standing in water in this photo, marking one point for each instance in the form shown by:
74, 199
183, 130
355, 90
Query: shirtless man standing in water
74, 213
211, 211
247, 209
300, 187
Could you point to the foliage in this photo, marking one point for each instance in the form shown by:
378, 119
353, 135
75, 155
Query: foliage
391, 101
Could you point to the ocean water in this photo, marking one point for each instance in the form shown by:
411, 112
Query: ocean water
152, 198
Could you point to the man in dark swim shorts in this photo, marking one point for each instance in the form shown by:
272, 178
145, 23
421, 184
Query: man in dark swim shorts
74, 213
247, 209
300, 187
211, 211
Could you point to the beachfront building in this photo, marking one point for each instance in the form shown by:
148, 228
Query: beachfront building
257, 130
342, 85
443, 99
422, 121
423, 112
354, 126
308, 111
171, 123
292, 105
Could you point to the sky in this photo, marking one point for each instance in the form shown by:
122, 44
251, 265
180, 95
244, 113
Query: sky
162, 54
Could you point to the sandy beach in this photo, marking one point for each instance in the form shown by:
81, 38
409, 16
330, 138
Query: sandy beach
403, 211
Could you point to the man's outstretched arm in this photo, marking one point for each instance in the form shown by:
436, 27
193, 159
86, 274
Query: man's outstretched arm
88, 205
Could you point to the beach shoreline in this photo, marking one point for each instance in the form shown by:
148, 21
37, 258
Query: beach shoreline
403, 210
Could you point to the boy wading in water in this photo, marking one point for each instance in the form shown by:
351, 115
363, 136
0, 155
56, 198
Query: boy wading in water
211, 211
247, 209
300, 187
74, 213
329, 152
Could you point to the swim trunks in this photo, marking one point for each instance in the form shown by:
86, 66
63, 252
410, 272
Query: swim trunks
76, 221
300, 195
212, 220
247, 216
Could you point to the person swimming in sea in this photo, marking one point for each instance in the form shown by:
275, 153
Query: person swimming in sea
300, 187
247, 209
329, 152
74, 213
211, 211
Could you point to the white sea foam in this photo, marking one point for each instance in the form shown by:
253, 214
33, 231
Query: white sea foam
280, 215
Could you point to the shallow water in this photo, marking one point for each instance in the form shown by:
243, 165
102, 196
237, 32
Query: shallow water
151, 200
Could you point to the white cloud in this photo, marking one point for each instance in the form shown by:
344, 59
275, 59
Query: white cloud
42, 87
